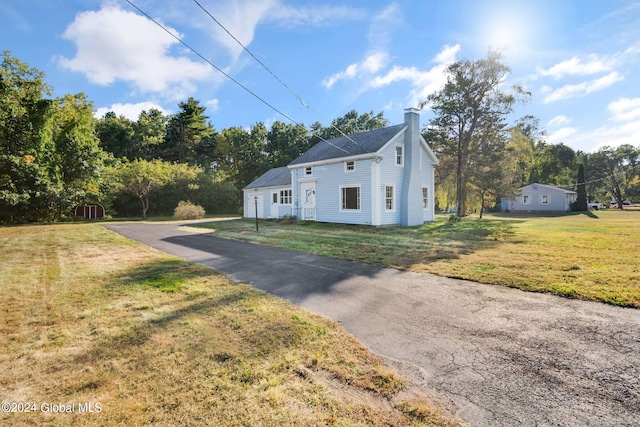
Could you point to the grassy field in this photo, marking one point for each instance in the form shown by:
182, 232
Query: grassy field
91, 318
593, 256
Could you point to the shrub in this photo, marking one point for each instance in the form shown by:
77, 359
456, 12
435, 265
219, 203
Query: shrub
288, 219
187, 210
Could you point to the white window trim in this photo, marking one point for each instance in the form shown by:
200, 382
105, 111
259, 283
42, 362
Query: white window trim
542, 196
346, 169
308, 171
359, 198
395, 155
526, 199
425, 208
393, 198
282, 197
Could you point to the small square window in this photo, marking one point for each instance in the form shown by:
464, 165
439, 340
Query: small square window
349, 166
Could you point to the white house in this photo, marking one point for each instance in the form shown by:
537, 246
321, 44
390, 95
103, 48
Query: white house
540, 198
380, 177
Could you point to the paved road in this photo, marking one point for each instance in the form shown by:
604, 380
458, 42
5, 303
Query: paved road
495, 356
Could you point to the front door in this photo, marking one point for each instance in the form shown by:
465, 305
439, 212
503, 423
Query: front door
308, 193
274, 204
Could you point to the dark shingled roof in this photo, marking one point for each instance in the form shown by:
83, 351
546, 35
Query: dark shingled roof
272, 178
366, 142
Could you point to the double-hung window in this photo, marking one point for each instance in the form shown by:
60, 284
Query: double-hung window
425, 198
399, 155
388, 198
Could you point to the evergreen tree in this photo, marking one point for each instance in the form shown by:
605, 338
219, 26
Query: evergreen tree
581, 203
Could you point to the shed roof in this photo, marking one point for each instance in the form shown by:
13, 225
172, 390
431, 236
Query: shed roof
277, 177
356, 144
535, 185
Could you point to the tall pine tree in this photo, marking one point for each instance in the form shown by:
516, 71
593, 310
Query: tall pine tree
581, 203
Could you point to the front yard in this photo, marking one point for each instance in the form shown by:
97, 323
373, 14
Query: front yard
98, 330
592, 256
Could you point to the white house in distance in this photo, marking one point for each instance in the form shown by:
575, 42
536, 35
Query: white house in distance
540, 198
379, 177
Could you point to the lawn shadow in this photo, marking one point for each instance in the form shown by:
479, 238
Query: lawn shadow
590, 214
445, 241
166, 276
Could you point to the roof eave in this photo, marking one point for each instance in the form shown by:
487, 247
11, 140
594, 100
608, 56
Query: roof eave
364, 156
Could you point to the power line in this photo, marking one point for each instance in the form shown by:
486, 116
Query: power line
246, 49
225, 74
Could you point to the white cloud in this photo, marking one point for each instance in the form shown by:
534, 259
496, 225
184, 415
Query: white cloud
379, 35
369, 65
575, 66
382, 25
561, 135
558, 121
290, 16
113, 44
625, 109
424, 82
242, 17
614, 136
212, 105
580, 89
130, 111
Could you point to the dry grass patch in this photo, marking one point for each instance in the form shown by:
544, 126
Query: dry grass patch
91, 317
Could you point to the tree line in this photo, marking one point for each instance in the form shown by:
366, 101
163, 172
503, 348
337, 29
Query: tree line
55, 155
483, 157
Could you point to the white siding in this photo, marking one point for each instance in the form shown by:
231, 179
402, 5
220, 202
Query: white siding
265, 212
331, 178
427, 179
557, 200
390, 174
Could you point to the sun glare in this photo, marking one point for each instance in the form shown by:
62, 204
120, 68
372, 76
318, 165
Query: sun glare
511, 30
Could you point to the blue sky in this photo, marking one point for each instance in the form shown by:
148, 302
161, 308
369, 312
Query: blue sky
580, 59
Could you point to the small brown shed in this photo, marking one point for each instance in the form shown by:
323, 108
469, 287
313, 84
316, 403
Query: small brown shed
90, 211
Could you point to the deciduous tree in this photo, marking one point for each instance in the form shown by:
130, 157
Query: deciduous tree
471, 106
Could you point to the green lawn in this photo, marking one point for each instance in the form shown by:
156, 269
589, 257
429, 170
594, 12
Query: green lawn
592, 256
89, 317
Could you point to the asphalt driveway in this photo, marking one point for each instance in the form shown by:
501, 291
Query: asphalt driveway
495, 356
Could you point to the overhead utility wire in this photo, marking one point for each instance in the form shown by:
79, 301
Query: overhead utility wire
302, 101
225, 74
